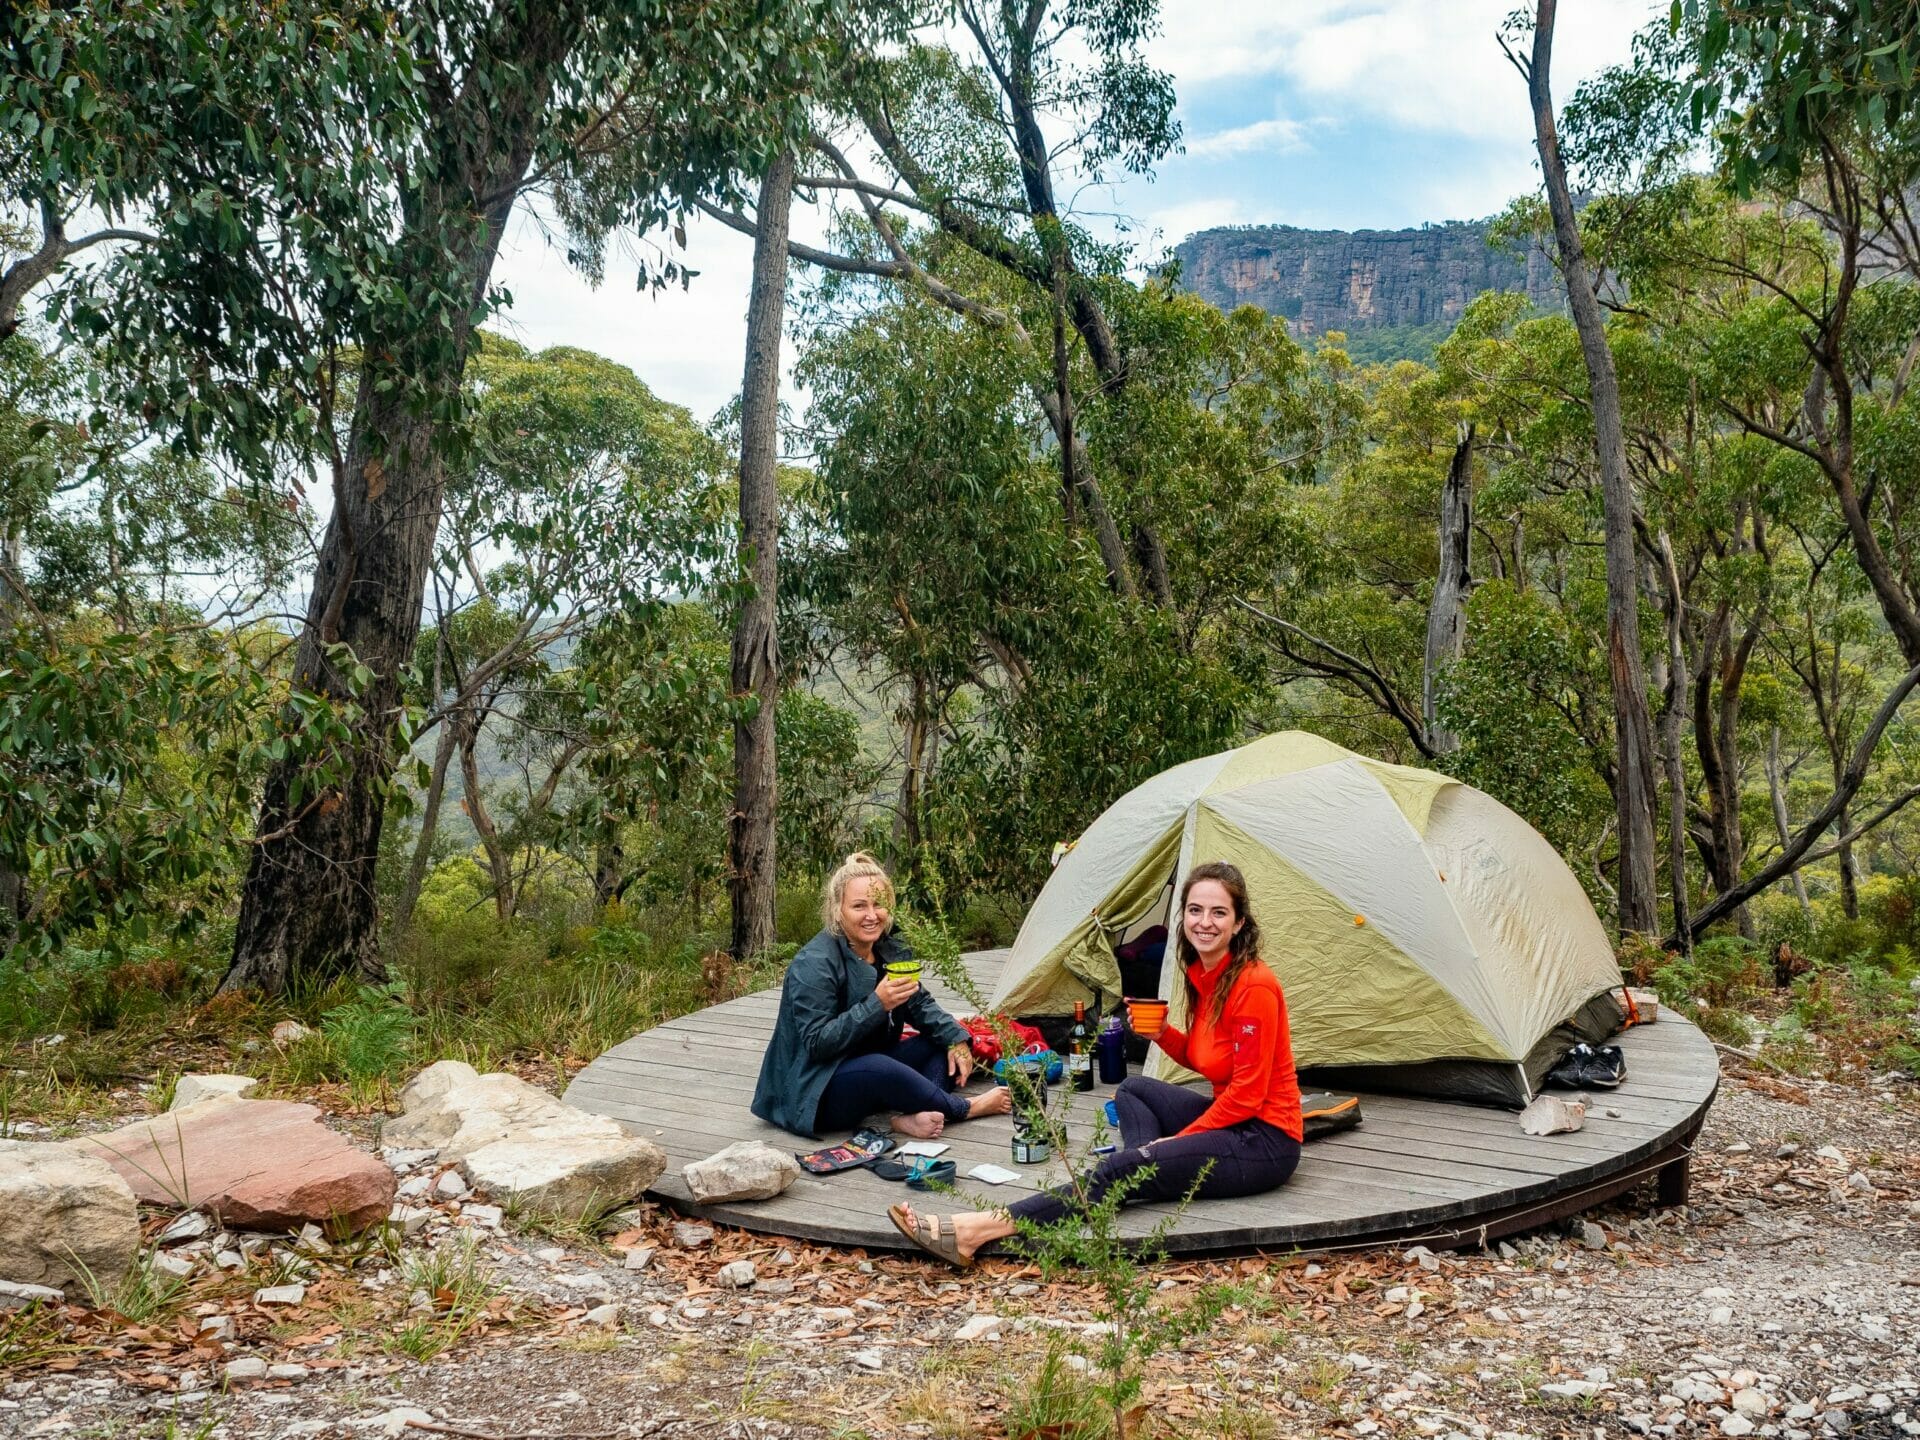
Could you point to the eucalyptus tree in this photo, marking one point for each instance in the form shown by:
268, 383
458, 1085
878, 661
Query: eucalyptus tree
514, 92
604, 497
959, 138
1634, 788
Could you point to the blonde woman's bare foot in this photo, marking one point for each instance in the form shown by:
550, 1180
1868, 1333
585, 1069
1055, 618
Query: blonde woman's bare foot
921, 1125
997, 1101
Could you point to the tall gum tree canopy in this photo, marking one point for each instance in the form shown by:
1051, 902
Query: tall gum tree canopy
511, 91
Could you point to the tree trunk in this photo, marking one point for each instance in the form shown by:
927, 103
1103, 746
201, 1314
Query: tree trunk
1777, 793
1849, 878
499, 862
908, 827
1673, 719
307, 910
609, 870
13, 885
1633, 732
429, 823
756, 661
1106, 534
1447, 617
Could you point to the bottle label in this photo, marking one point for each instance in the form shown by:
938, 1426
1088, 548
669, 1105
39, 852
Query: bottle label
1079, 1060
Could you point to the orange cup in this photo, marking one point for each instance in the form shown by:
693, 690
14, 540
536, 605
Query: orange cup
1147, 1017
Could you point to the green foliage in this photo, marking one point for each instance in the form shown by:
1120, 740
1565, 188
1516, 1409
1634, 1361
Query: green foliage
127, 764
371, 1035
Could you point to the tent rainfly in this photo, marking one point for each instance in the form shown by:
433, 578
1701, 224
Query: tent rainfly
1429, 939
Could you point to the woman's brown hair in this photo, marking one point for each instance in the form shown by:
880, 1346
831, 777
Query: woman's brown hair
1242, 950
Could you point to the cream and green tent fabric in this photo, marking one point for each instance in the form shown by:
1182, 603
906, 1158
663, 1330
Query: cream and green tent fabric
1427, 937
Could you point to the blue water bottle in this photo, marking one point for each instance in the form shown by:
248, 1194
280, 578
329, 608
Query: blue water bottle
1111, 1052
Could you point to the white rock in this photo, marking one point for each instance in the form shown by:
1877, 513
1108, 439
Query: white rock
689, 1236
411, 1219
56, 1203
190, 1089
189, 1225
280, 1295
1829, 1152
247, 1367
1860, 1184
747, 1170
607, 1315
1550, 1115
15, 1296
550, 1255
433, 1082
217, 1327
1720, 1315
401, 1161
980, 1327
639, 1258
486, 1216
450, 1186
738, 1273
868, 1359
415, 1187
393, 1423
1752, 1403
458, 1115
288, 1031
180, 1267
286, 1372
567, 1175
1739, 1147
1572, 1389
1737, 1424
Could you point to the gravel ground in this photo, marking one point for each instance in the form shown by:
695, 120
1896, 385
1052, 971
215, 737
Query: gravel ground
1781, 1302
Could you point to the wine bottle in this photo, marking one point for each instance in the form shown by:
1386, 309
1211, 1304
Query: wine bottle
1080, 1048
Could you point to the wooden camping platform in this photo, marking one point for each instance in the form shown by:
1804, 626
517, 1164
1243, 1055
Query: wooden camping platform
1416, 1171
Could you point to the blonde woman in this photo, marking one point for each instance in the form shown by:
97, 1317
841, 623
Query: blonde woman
837, 1054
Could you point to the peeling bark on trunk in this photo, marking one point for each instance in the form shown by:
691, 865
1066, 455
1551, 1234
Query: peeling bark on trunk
1447, 617
756, 661
307, 910
1633, 732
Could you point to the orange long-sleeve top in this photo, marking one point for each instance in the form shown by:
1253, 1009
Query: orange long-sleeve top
1247, 1054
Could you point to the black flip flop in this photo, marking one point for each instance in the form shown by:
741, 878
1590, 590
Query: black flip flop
889, 1169
933, 1176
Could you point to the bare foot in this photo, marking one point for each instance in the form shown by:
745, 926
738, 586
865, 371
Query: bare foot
997, 1101
923, 1125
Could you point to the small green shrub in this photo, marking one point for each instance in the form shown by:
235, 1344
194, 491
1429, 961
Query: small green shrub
370, 1037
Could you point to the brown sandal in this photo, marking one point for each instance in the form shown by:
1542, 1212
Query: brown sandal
941, 1244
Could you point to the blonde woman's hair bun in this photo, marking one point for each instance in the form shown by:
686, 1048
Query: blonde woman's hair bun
857, 866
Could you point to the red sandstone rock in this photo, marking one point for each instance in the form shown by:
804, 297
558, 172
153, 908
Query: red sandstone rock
257, 1164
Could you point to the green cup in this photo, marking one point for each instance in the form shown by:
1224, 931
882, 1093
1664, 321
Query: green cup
903, 969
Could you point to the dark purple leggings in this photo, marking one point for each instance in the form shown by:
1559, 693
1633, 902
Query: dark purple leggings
908, 1077
1250, 1158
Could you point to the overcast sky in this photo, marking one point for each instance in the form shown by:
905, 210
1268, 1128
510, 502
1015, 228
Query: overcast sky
1329, 114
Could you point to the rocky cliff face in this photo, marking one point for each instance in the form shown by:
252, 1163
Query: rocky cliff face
1359, 280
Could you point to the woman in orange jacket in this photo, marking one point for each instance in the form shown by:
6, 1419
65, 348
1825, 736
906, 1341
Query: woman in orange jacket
1243, 1140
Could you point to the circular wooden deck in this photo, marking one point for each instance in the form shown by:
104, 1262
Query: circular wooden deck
1416, 1171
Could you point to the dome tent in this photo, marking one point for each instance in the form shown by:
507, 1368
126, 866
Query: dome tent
1429, 939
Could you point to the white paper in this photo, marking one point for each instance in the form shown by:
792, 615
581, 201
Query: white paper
924, 1147
992, 1174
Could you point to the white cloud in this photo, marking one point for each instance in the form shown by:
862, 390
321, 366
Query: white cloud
1419, 64
1271, 136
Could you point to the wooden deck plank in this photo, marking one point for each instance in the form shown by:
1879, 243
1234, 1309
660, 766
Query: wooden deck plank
1412, 1168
